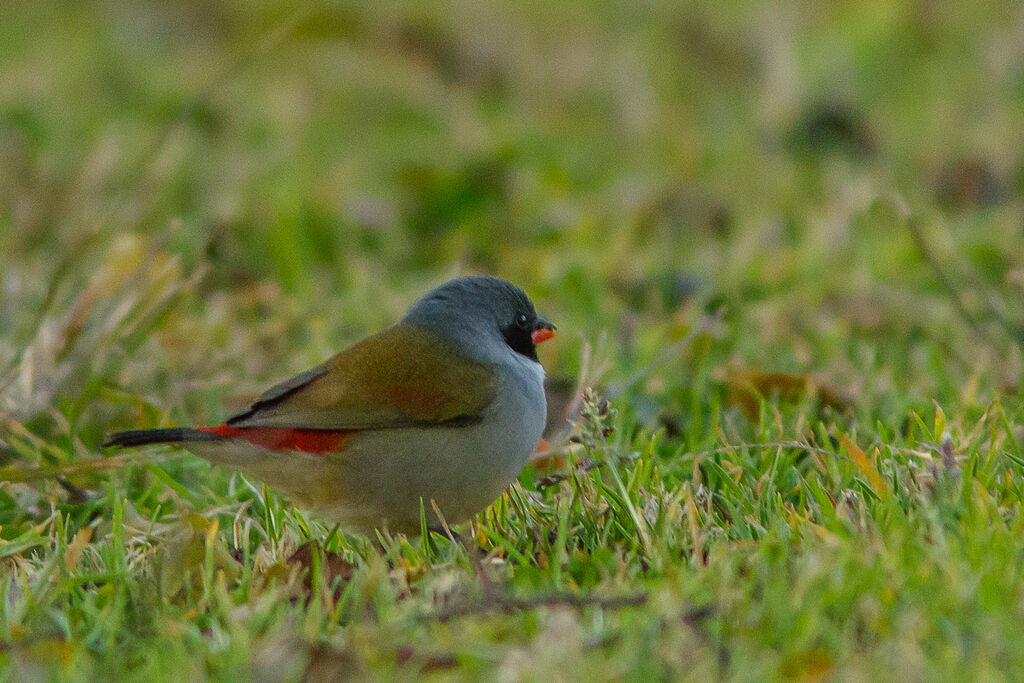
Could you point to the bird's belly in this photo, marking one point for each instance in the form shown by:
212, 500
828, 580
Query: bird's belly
388, 474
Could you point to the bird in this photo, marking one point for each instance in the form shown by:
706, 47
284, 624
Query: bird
442, 409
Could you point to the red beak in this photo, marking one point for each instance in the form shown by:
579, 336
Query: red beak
542, 334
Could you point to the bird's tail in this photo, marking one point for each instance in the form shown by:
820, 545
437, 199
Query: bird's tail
144, 437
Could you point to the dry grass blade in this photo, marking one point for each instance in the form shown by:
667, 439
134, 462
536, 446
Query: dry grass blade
619, 388
863, 462
125, 299
1014, 331
13, 473
509, 604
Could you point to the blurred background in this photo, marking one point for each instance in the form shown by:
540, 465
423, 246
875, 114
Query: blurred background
786, 239
205, 194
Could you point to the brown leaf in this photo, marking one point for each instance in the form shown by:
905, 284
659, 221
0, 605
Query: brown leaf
76, 547
747, 386
330, 664
812, 665
333, 566
184, 554
864, 462
966, 183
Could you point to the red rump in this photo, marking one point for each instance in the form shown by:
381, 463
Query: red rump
285, 438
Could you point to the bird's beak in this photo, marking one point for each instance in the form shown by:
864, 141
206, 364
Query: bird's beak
542, 331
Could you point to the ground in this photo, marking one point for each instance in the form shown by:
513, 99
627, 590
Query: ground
784, 242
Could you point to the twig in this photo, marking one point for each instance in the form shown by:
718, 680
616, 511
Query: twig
509, 604
801, 446
1015, 332
619, 388
24, 474
790, 445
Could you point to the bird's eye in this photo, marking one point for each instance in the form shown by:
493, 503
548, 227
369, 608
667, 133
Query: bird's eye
522, 320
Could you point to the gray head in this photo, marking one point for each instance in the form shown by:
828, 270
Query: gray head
480, 304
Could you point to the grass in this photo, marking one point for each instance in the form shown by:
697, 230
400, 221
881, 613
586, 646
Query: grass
785, 243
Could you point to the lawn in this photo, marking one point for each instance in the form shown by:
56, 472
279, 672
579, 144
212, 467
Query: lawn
784, 247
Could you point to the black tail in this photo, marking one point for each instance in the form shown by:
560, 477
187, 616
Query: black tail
142, 437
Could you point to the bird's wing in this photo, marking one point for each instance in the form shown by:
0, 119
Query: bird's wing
402, 377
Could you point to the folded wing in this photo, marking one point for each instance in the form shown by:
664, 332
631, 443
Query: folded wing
404, 376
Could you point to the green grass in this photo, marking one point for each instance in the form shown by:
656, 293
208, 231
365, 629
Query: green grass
788, 241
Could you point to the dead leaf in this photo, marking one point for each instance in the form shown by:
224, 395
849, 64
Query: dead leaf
747, 386
812, 665
184, 554
864, 462
76, 548
333, 566
331, 664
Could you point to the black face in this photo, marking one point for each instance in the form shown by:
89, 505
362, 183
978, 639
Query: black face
519, 334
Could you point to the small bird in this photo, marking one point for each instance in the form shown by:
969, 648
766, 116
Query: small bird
445, 406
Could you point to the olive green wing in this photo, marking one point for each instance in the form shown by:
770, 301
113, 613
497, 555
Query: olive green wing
404, 376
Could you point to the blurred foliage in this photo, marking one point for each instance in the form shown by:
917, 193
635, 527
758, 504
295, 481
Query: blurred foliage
198, 198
